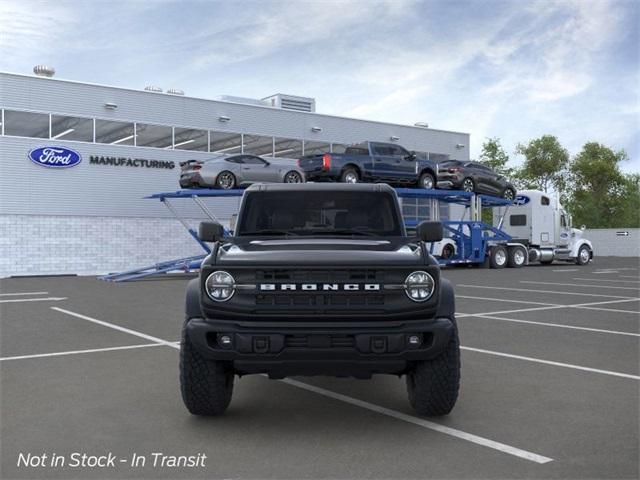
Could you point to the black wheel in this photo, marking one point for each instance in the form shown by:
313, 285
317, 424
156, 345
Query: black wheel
468, 185
349, 175
447, 251
584, 255
293, 177
427, 181
508, 194
433, 385
498, 257
206, 385
517, 257
226, 180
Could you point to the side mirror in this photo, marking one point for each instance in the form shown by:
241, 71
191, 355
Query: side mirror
430, 231
411, 156
583, 228
210, 231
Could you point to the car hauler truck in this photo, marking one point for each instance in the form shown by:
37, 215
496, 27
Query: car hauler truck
541, 224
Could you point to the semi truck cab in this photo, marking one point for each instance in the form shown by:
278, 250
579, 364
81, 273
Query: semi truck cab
542, 224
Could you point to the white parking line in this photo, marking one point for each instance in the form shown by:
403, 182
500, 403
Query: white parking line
581, 285
628, 276
555, 364
116, 327
508, 300
567, 270
559, 325
605, 280
528, 290
23, 293
485, 442
19, 300
76, 352
588, 306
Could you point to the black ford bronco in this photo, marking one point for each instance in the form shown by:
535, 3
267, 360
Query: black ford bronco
320, 279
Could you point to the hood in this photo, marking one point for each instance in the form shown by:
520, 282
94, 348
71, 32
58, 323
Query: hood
392, 251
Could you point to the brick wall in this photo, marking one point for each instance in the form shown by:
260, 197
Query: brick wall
41, 245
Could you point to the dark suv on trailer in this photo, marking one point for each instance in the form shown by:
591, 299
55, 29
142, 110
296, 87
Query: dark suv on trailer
320, 279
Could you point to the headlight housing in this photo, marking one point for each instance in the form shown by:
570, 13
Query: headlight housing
220, 286
419, 286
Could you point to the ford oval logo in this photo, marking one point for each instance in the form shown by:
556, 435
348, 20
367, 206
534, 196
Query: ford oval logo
55, 157
521, 200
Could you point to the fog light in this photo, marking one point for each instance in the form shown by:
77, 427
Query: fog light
225, 341
414, 340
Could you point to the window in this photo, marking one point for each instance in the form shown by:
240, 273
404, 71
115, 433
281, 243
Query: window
518, 220
225, 142
251, 160
398, 151
315, 148
357, 151
238, 159
71, 128
381, 149
113, 132
545, 201
190, 139
338, 148
438, 157
26, 124
563, 221
258, 145
157, 136
287, 147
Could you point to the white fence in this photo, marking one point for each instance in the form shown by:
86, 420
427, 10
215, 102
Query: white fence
614, 242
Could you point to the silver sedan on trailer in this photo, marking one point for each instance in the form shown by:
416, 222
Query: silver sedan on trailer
233, 171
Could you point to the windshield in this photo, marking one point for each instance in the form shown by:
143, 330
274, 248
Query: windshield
320, 213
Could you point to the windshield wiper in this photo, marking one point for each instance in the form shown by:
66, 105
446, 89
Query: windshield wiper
268, 232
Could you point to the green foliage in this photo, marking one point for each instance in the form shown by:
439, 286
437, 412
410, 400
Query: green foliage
599, 194
495, 157
545, 164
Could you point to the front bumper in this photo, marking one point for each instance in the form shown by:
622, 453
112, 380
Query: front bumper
356, 349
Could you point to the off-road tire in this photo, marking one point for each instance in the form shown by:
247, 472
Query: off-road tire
433, 385
347, 172
425, 179
495, 256
512, 262
206, 385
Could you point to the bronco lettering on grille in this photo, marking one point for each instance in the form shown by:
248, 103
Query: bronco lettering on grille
271, 287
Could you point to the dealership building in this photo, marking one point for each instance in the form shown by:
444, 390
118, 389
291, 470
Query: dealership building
92, 217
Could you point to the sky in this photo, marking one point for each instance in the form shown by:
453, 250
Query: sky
515, 70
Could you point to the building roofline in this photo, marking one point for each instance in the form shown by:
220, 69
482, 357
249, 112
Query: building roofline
267, 107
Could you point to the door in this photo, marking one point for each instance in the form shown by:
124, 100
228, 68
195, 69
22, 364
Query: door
404, 164
485, 178
391, 163
565, 230
383, 162
256, 169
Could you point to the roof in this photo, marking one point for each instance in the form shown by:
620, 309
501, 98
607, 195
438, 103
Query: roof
320, 187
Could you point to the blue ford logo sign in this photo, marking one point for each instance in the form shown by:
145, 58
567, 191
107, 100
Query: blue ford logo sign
55, 157
521, 200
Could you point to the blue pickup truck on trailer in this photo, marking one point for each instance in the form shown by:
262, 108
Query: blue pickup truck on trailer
372, 162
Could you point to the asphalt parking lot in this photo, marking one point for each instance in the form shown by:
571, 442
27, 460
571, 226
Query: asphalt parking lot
550, 377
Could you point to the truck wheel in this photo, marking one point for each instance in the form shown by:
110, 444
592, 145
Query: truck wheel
498, 257
427, 181
349, 175
206, 385
433, 385
447, 251
226, 180
584, 255
517, 257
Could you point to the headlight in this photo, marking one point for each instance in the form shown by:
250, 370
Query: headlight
220, 286
419, 286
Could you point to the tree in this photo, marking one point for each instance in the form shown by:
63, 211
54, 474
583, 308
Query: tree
600, 195
495, 157
545, 163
